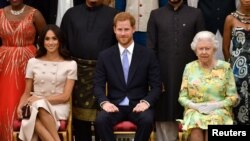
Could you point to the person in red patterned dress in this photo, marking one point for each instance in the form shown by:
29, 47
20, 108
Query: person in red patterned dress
20, 24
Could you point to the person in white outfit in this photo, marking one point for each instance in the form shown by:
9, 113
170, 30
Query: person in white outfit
62, 7
50, 78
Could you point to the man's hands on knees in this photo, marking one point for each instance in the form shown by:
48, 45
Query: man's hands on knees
109, 107
141, 107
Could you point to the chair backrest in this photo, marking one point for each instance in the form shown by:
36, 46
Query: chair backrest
67, 134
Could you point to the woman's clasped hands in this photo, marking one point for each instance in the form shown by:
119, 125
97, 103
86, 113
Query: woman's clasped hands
206, 107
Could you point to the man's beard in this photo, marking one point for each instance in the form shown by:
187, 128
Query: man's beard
174, 1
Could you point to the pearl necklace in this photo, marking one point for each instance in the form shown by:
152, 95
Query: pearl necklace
14, 12
244, 19
242, 14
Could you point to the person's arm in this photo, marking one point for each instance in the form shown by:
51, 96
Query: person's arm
183, 96
231, 96
154, 81
28, 87
63, 97
152, 33
100, 87
184, 99
68, 88
66, 27
227, 35
25, 96
100, 81
39, 21
200, 23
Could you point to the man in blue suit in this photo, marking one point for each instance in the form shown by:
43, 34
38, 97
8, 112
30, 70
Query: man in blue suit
130, 96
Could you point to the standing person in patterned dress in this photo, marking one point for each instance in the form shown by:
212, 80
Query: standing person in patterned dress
19, 26
237, 30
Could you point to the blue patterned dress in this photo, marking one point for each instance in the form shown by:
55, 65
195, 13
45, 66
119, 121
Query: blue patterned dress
240, 63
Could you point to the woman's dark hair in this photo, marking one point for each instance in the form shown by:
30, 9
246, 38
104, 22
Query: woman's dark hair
61, 39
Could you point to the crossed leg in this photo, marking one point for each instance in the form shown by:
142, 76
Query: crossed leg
45, 126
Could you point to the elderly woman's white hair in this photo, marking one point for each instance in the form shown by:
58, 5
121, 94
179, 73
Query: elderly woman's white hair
204, 35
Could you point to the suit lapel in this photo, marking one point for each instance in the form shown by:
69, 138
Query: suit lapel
118, 64
136, 59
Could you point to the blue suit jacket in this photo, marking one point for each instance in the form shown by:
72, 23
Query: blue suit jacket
143, 72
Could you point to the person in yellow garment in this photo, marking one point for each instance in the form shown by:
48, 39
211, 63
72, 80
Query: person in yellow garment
208, 92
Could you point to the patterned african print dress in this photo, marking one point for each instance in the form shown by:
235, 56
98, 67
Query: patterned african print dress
240, 63
17, 47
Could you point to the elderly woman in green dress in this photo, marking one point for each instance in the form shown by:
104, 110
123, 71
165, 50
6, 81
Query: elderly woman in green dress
208, 90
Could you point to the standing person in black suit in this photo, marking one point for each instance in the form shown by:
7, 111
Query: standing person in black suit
129, 70
170, 32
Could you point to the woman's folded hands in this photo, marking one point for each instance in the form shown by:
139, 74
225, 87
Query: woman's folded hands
205, 107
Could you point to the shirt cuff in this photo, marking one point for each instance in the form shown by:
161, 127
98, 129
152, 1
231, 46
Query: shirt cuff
102, 103
145, 102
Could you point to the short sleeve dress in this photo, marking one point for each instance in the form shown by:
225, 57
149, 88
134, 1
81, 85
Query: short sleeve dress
49, 79
200, 85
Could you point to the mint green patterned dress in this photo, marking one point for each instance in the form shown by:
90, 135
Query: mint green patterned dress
202, 85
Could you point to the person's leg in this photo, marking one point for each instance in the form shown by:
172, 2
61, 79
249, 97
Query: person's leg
196, 135
144, 122
105, 122
160, 131
97, 138
46, 123
82, 130
42, 132
166, 131
206, 135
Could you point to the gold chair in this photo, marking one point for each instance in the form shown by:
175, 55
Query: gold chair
65, 129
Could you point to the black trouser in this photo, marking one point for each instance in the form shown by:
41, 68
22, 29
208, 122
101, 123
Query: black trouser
144, 121
82, 131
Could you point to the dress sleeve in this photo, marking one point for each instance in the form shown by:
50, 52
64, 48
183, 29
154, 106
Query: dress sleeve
29, 69
231, 96
183, 97
72, 73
